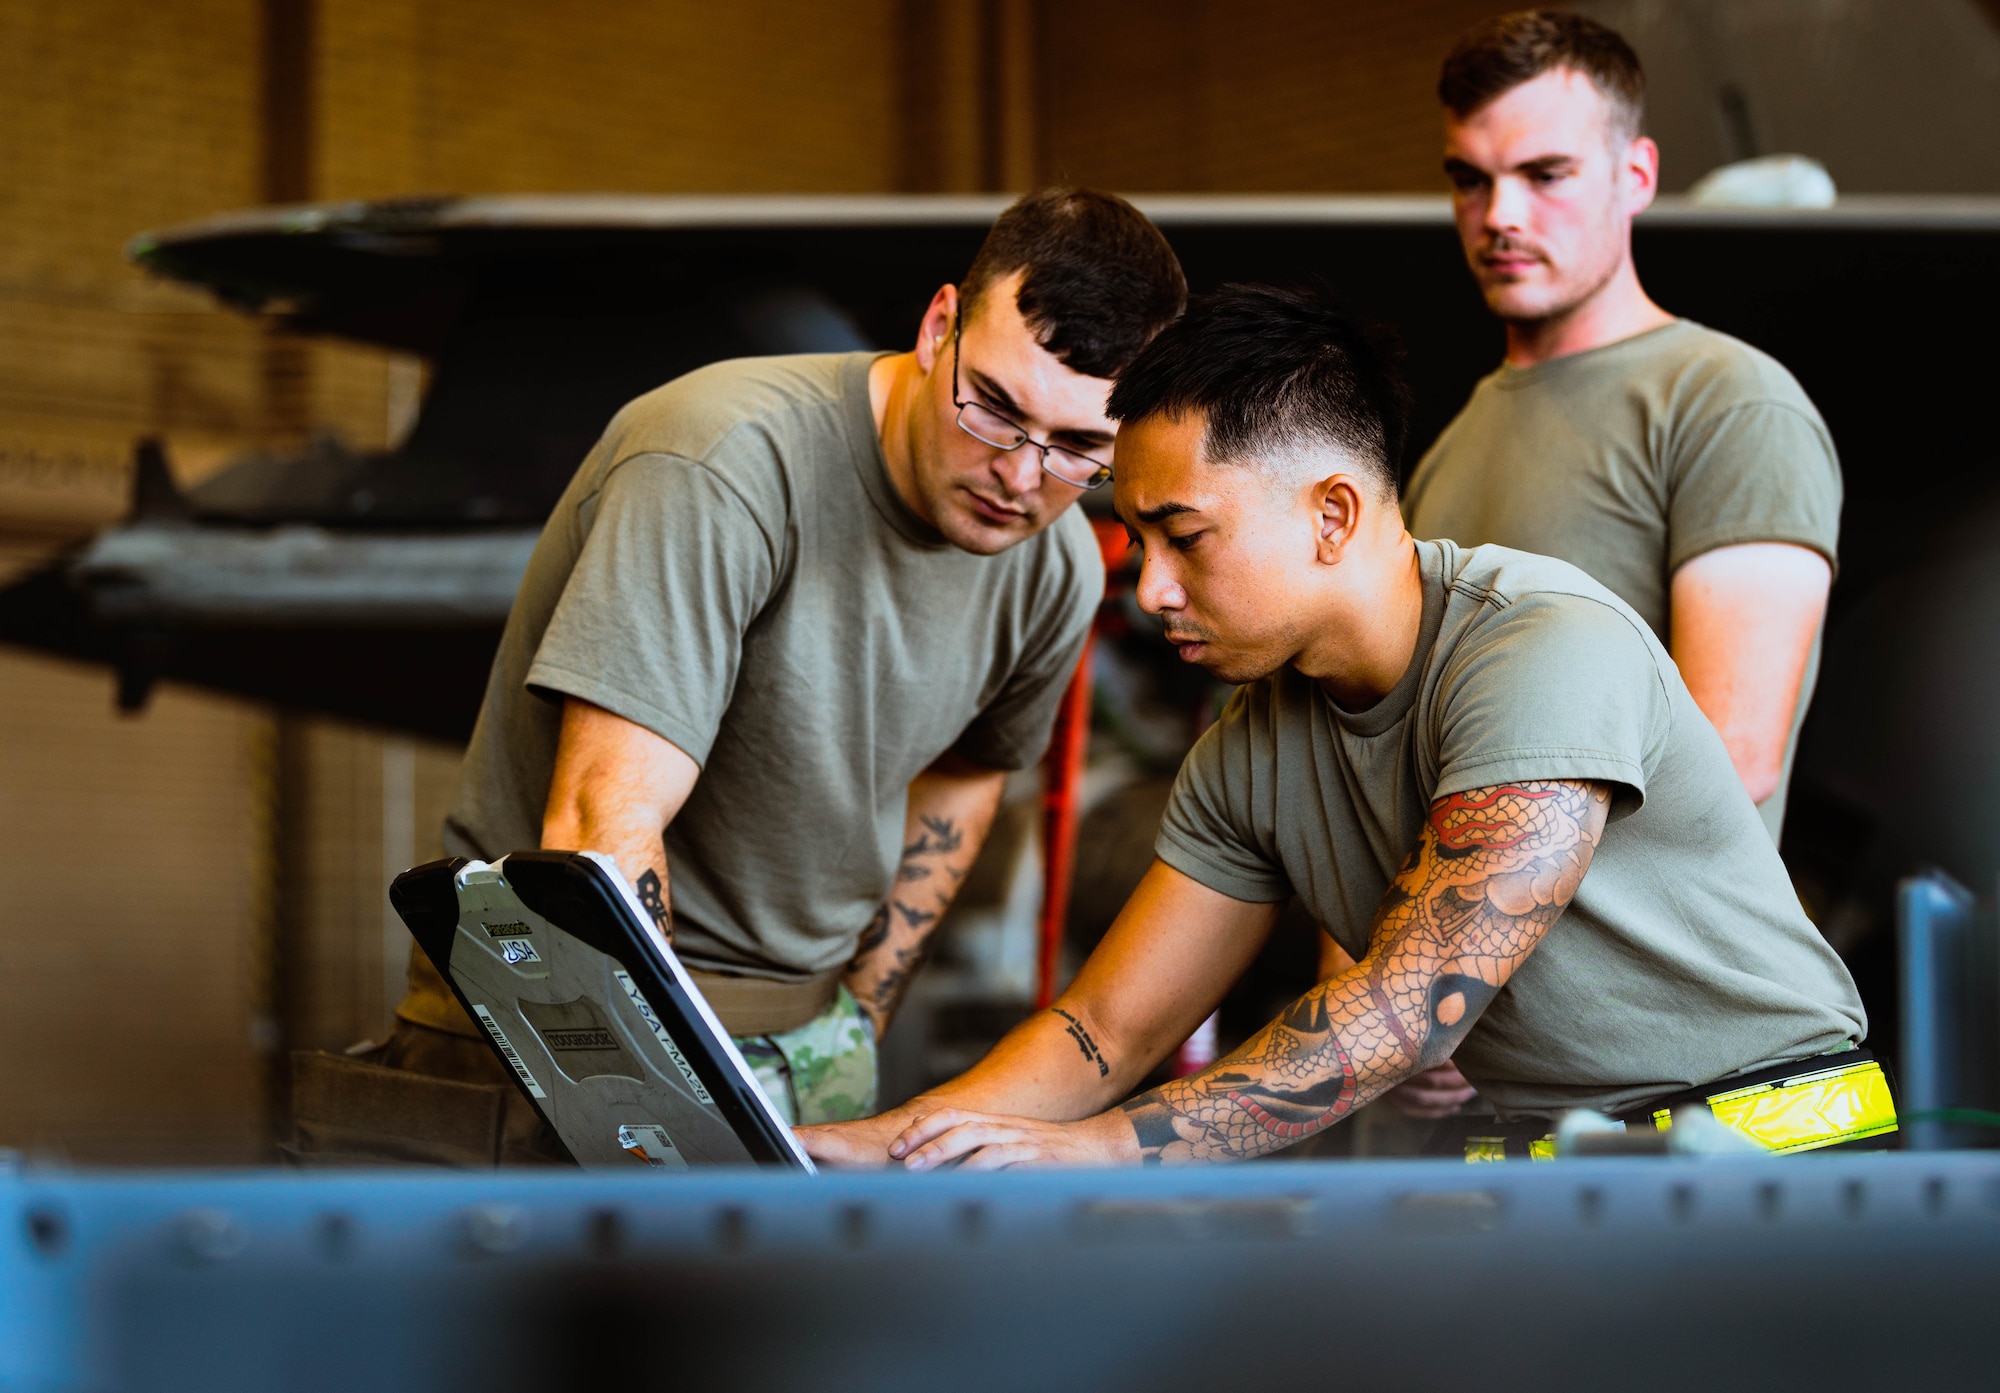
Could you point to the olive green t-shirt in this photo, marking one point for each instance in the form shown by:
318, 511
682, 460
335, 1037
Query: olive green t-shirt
733, 570
1684, 956
1632, 459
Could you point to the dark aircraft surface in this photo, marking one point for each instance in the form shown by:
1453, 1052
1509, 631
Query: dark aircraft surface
374, 587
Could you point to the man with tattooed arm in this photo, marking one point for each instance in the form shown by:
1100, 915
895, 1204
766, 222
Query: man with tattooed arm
790, 627
1477, 768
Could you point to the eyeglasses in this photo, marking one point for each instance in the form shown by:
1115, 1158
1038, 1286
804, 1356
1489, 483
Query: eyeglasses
989, 427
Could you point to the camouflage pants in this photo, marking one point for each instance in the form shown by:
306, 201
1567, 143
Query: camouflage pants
822, 1072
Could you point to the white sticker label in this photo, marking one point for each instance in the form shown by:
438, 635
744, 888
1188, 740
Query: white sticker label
651, 1144
513, 1056
660, 1034
518, 950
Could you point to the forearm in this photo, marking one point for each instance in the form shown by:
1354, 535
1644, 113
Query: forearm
614, 789
641, 858
1492, 871
951, 811
1050, 1066
1743, 623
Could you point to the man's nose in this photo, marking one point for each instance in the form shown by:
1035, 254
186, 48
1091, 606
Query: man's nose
1019, 469
1506, 205
1157, 591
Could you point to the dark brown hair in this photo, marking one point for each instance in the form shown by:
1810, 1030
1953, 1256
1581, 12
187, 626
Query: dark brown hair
1499, 54
1099, 278
1272, 367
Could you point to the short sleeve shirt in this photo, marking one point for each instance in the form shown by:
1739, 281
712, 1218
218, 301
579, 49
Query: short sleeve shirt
1632, 459
1684, 956
733, 570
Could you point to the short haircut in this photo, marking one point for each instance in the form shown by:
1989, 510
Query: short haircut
1499, 54
1099, 278
1274, 369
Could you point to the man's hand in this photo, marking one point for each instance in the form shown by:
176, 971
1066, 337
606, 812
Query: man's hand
857, 1145
1435, 1093
985, 1142
951, 809
1743, 625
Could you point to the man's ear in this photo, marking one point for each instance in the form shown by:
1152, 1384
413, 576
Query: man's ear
1641, 174
936, 328
1337, 508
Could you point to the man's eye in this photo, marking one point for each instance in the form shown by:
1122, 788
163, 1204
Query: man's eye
1185, 540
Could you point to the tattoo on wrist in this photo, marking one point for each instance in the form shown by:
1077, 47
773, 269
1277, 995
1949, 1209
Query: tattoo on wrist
1084, 1042
652, 897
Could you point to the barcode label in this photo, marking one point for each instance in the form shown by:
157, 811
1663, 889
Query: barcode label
645, 1010
513, 1056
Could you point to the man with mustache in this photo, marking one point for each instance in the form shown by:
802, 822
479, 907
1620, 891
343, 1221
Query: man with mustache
789, 628
1477, 768
1682, 468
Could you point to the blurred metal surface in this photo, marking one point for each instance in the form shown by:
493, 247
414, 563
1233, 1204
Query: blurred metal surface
1633, 1273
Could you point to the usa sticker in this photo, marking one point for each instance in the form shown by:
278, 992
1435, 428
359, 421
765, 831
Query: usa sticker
660, 1033
651, 1144
507, 1051
517, 950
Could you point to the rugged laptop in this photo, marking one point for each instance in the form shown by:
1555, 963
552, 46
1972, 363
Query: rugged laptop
592, 1012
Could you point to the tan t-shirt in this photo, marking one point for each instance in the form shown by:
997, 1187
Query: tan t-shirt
1684, 956
1632, 459
733, 570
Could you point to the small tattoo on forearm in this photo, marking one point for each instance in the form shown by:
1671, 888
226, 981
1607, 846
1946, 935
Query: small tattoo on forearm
652, 895
914, 917
1084, 1042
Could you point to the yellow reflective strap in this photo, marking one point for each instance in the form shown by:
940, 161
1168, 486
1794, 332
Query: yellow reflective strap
1542, 1149
1485, 1148
1663, 1120
1812, 1110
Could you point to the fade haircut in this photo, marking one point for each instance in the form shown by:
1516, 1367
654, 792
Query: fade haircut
1099, 280
1273, 370
1498, 55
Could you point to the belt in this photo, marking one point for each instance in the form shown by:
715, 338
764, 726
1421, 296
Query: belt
1828, 1100
764, 1006
1807, 1104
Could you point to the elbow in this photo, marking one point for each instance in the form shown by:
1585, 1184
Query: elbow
1761, 773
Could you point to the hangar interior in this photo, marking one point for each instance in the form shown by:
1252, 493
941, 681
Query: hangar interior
194, 845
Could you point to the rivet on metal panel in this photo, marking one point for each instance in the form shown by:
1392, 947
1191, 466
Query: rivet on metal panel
732, 1229
48, 1231
1680, 1203
854, 1222
604, 1233
1590, 1204
1770, 1200
493, 1229
209, 1235
334, 1235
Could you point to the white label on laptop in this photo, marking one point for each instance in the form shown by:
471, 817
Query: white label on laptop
513, 1056
660, 1033
651, 1144
517, 950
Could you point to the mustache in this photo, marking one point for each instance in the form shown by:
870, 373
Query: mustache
1192, 633
1511, 246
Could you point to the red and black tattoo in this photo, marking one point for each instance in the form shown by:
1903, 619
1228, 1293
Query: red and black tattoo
1492, 870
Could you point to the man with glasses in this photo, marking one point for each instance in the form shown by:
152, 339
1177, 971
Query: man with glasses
789, 628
